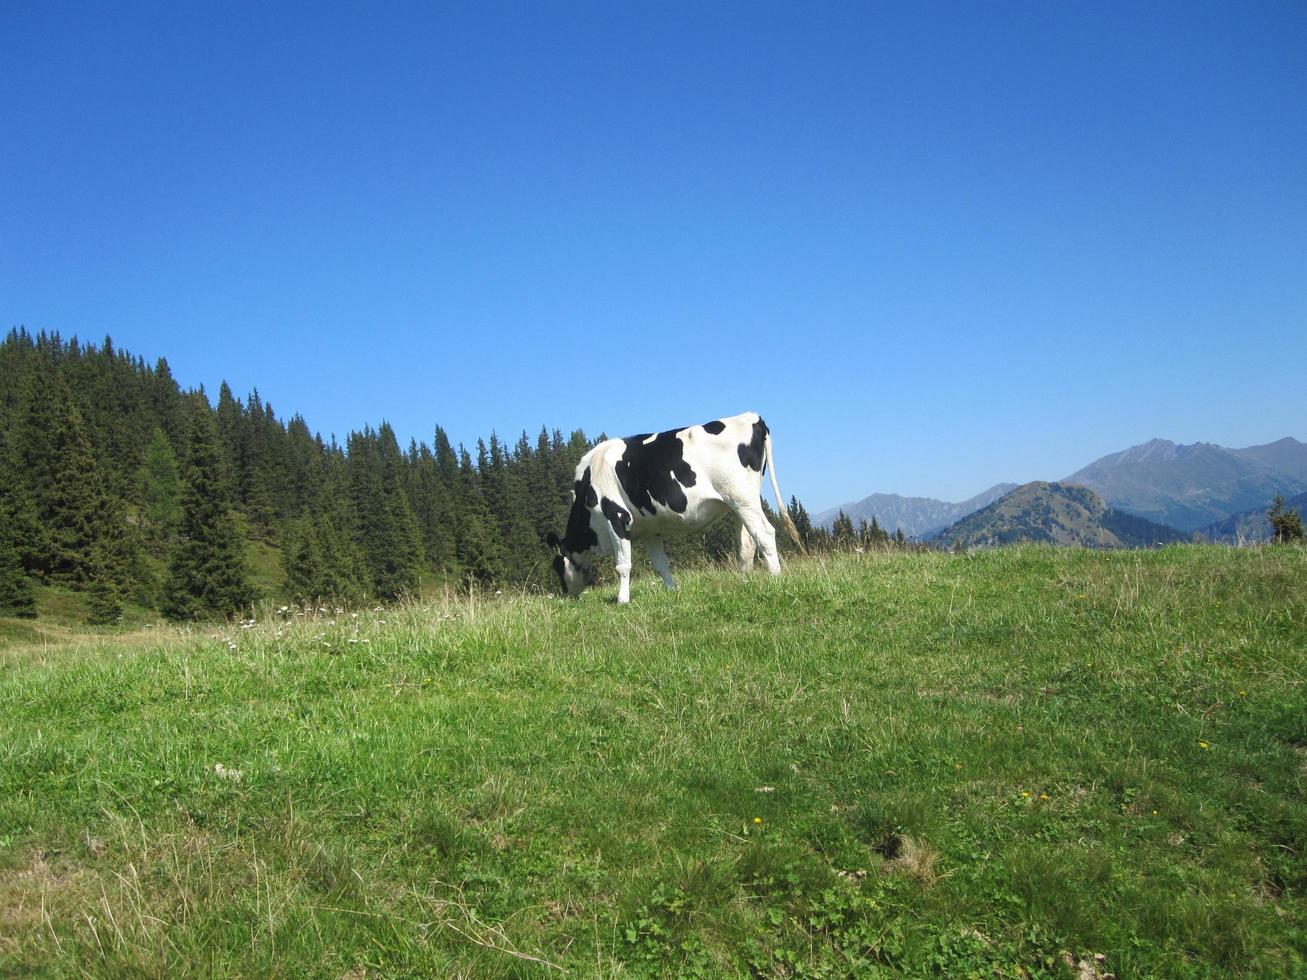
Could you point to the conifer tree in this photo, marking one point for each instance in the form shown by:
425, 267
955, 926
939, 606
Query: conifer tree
17, 597
842, 530
66, 484
206, 575
1286, 524
301, 560
19, 524
802, 522
479, 547
104, 591
161, 493
17, 535
387, 531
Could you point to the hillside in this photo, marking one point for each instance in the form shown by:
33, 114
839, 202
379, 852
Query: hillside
119, 485
1055, 513
918, 517
1190, 487
925, 764
1251, 526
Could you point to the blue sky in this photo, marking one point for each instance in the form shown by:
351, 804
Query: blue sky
937, 245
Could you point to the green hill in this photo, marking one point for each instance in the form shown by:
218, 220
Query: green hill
1055, 513
920, 764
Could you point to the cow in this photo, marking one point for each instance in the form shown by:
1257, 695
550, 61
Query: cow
657, 485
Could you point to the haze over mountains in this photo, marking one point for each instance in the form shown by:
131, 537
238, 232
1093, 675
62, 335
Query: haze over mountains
1220, 492
917, 517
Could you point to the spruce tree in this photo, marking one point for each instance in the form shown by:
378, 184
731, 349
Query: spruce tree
19, 524
206, 575
301, 560
73, 504
480, 548
104, 592
161, 492
1286, 524
17, 596
842, 530
802, 522
19, 540
385, 528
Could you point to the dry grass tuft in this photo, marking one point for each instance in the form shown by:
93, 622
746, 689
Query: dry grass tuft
916, 859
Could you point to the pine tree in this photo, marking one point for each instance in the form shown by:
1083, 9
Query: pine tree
802, 522
72, 501
480, 549
161, 492
17, 596
19, 524
206, 575
340, 580
385, 528
1286, 524
105, 593
842, 530
301, 560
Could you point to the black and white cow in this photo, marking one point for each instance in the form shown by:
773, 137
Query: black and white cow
649, 487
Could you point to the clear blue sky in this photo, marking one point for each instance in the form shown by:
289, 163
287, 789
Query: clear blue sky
937, 246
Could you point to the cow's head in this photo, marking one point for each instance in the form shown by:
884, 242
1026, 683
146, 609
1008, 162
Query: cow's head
575, 569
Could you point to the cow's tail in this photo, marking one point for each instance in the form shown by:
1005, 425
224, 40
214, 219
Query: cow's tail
790, 529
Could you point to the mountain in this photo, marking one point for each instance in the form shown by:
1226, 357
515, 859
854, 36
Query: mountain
1250, 525
1056, 513
1287, 455
917, 517
1191, 487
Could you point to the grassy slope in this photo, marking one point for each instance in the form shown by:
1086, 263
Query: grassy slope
1064, 749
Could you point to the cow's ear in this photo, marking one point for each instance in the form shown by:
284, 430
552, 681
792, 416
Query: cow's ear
551, 539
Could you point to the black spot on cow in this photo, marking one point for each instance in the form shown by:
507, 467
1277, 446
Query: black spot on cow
585, 490
617, 517
558, 570
751, 452
579, 536
714, 428
654, 469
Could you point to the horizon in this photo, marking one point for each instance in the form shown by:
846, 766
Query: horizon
937, 248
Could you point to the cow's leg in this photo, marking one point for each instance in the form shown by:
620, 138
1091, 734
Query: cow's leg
747, 548
658, 558
622, 562
764, 535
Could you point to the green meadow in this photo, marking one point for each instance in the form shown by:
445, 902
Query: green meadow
996, 764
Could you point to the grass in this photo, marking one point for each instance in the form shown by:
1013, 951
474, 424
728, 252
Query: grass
911, 764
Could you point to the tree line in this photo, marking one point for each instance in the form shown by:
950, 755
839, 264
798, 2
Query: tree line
118, 483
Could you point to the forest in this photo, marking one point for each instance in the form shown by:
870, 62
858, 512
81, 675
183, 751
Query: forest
117, 482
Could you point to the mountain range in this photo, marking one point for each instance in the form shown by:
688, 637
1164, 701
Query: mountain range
1191, 487
1057, 513
1220, 492
917, 517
